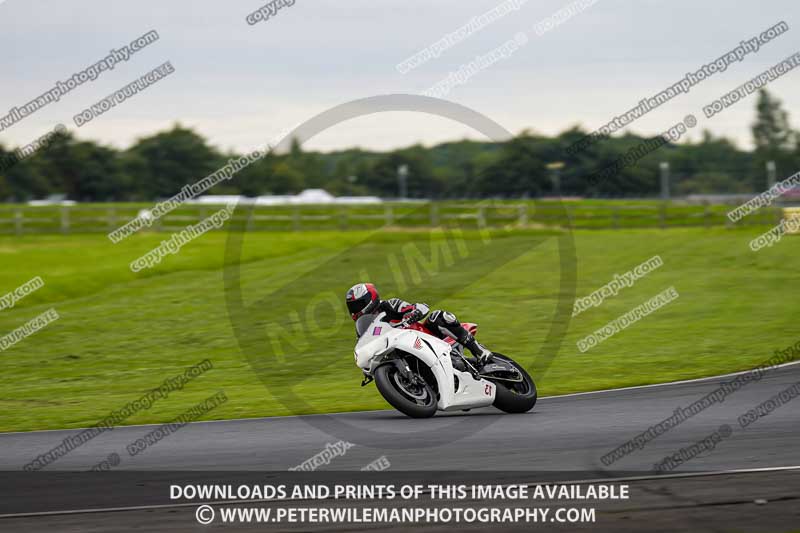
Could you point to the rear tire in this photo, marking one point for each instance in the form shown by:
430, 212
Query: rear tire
416, 401
515, 397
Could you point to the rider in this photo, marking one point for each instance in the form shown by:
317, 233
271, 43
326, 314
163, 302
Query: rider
363, 299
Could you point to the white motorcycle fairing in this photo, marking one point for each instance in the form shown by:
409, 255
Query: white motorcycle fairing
457, 389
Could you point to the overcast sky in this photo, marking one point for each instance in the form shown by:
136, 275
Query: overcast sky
240, 84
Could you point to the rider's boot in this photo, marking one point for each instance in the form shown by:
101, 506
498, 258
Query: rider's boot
481, 353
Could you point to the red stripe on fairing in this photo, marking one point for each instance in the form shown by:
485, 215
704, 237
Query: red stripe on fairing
419, 327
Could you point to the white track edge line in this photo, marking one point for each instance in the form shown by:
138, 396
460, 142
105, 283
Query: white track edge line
665, 384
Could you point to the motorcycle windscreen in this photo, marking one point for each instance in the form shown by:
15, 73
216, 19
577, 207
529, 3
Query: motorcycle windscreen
363, 323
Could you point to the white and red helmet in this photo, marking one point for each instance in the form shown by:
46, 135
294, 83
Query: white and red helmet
362, 299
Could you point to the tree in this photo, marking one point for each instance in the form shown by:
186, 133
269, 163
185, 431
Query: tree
773, 138
256, 178
519, 169
346, 179
285, 179
422, 183
100, 177
6, 161
457, 166
84, 171
771, 130
165, 162
306, 164
49, 170
5, 190
160, 165
711, 183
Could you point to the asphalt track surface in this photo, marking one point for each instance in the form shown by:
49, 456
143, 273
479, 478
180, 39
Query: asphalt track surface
567, 433
564, 436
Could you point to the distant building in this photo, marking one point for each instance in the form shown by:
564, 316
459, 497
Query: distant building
271, 200
220, 199
307, 197
312, 196
793, 193
53, 199
358, 200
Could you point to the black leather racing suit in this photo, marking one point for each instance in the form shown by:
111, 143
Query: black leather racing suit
441, 323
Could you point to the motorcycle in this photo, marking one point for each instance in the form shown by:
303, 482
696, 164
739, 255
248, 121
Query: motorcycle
419, 373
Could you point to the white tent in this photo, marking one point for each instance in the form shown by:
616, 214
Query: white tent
307, 197
313, 196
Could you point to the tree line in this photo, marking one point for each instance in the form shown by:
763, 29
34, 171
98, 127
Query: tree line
528, 165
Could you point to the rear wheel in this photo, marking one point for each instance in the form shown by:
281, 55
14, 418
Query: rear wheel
413, 398
515, 396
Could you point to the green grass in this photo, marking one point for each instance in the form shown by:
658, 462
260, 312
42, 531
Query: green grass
594, 214
121, 333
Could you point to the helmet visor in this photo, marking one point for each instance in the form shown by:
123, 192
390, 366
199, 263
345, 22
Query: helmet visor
357, 306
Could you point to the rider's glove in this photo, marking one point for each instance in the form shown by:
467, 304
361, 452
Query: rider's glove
416, 314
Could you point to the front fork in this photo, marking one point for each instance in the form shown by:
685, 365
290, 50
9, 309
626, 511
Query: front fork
402, 366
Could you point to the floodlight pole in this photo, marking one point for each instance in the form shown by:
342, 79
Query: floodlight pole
402, 181
664, 166
771, 169
555, 175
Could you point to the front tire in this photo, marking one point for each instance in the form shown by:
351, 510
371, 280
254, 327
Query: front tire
414, 400
515, 397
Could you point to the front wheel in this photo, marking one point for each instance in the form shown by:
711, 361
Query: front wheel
416, 400
515, 396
